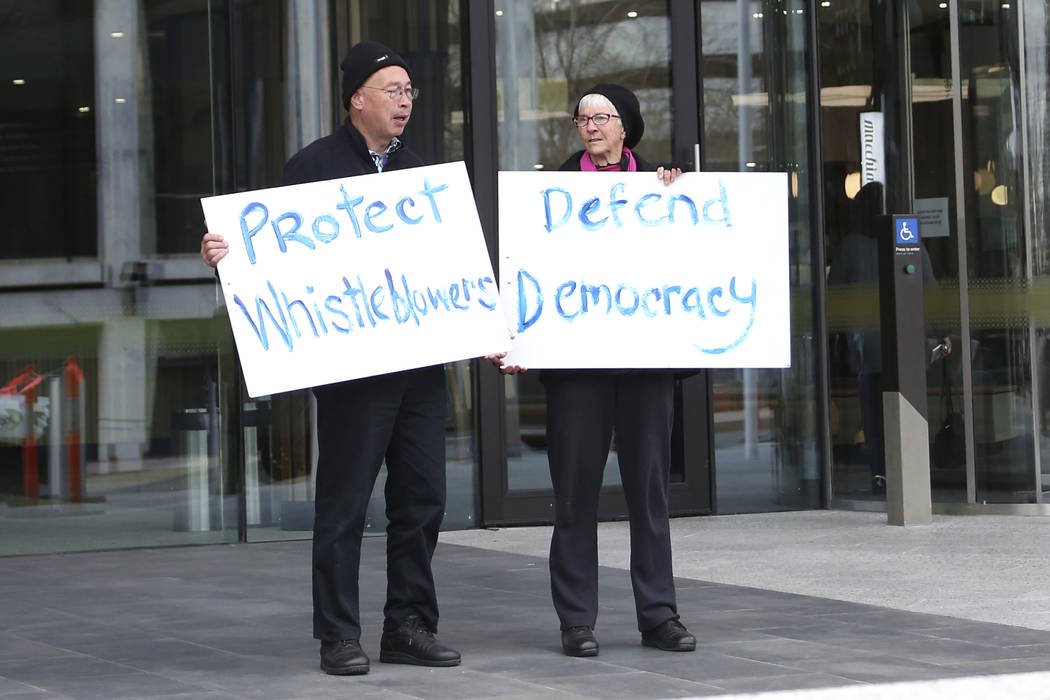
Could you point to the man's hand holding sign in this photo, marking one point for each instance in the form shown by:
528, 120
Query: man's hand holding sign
341, 279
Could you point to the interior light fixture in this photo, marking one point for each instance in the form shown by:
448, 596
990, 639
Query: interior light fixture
84, 110
943, 5
116, 35
119, 100
826, 3
499, 13
632, 14
18, 81
1000, 195
751, 164
537, 166
852, 184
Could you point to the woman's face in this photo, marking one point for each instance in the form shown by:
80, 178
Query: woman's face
604, 143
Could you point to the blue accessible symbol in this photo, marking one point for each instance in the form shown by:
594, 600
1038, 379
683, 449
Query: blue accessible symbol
907, 231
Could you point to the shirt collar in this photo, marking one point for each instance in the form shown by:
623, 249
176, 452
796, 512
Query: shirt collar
382, 158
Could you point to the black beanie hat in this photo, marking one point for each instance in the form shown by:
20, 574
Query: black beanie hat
362, 60
627, 107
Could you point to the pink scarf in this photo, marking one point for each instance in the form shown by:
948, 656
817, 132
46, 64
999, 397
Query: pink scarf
587, 165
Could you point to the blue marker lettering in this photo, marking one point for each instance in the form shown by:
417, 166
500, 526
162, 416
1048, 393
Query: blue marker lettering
245, 233
551, 225
348, 205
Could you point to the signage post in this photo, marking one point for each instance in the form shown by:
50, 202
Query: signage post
906, 432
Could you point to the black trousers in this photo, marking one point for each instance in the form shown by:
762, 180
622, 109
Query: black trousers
583, 410
399, 417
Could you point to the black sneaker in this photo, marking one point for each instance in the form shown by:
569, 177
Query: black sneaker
412, 642
343, 658
579, 641
670, 635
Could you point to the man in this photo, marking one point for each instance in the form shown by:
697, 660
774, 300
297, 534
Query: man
399, 416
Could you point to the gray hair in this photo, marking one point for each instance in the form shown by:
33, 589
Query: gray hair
596, 101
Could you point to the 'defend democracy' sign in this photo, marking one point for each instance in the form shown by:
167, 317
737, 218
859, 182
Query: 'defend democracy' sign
355, 277
615, 270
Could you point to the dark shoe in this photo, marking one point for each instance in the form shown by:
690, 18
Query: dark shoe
343, 658
579, 641
671, 635
412, 642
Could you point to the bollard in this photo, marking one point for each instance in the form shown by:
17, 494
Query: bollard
192, 426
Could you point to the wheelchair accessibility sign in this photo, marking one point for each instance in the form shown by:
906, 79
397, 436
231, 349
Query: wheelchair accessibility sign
906, 230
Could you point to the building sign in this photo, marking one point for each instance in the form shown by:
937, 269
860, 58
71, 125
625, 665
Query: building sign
611, 270
872, 149
355, 277
933, 216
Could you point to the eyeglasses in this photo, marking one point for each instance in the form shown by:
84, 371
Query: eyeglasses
599, 119
394, 93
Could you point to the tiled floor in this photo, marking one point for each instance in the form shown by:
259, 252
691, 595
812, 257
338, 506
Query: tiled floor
233, 621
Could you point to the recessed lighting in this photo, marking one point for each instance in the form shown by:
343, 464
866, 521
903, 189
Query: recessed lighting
499, 13
826, 3
750, 165
943, 5
1005, 6
83, 110
119, 100
117, 35
632, 14
18, 81
538, 166
756, 15
798, 12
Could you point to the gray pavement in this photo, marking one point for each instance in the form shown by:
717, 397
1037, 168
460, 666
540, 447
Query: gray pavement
819, 604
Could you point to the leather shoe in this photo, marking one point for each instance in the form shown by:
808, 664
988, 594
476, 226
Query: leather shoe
343, 658
670, 635
579, 641
412, 642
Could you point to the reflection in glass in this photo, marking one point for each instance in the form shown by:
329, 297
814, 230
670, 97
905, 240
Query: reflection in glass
547, 55
764, 420
1036, 24
1000, 268
118, 380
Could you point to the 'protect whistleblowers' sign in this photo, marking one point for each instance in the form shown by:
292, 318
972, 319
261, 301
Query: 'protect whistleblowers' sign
616, 270
355, 277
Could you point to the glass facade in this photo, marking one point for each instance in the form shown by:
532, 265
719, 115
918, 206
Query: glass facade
123, 421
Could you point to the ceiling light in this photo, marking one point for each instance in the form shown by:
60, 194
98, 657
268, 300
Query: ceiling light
18, 81
116, 35
538, 166
83, 110
632, 14
999, 195
119, 100
499, 13
852, 185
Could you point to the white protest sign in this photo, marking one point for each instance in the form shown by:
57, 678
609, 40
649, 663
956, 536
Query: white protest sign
616, 270
355, 277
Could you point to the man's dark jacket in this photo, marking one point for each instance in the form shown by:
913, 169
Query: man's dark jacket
341, 154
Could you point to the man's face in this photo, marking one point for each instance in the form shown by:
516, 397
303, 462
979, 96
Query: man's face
380, 118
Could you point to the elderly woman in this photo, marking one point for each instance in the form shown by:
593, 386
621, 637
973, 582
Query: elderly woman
584, 409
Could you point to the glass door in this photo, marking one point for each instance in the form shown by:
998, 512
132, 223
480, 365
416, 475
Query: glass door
547, 54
